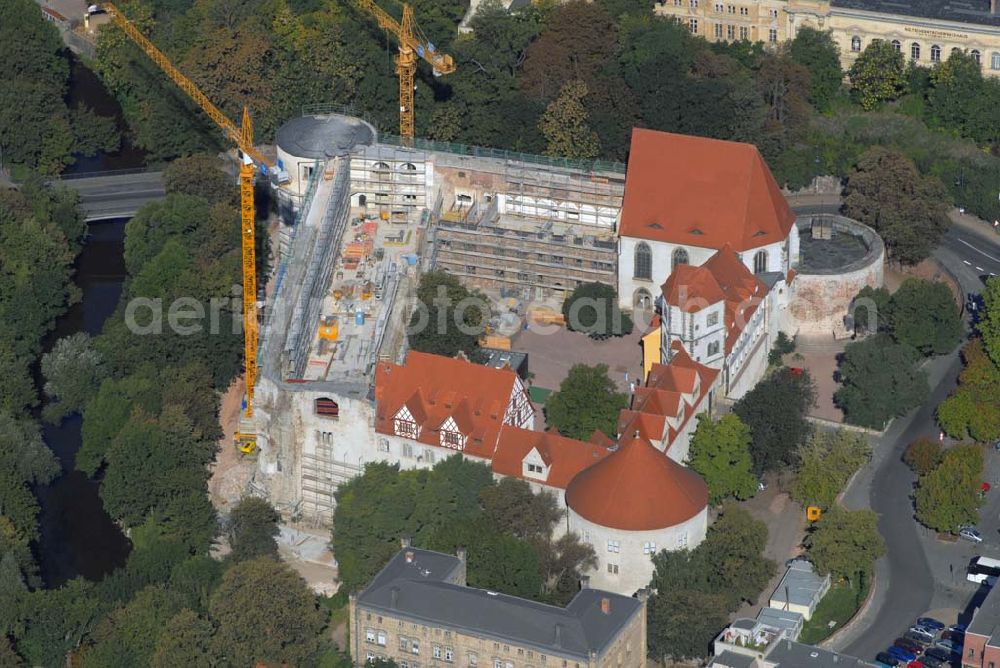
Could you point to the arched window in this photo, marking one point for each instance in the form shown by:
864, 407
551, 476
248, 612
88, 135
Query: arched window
643, 261
642, 300
327, 408
935, 54
915, 51
680, 257
760, 262
855, 44
976, 56
896, 45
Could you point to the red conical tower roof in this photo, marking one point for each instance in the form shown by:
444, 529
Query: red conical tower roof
637, 488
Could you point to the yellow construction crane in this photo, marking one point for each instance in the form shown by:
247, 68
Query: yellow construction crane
242, 136
410, 47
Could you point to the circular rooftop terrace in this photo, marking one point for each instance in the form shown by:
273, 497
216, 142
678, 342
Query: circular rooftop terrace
832, 244
325, 136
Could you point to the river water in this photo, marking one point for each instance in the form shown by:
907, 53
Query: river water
77, 536
86, 88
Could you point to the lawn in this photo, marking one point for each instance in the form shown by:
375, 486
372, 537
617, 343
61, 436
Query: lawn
839, 605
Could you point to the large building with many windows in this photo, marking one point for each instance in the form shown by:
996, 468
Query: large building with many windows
925, 31
418, 611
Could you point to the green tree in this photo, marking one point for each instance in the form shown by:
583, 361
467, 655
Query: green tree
880, 381
513, 508
564, 124
682, 623
253, 526
923, 455
72, 371
887, 192
720, 452
877, 75
200, 175
817, 51
775, 411
845, 543
264, 612
923, 314
972, 409
592, 308
948, 496
128, 636
449, 319
956, 93
870, 310
587, 400
826, 462
989, 319
24, 462
186, 640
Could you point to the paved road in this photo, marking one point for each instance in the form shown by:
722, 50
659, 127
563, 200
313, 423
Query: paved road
116, 196
910, 580
907, 582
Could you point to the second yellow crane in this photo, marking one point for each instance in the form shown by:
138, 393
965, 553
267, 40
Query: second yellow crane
242, 136
410, 48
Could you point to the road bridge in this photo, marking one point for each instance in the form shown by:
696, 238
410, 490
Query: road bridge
117, 194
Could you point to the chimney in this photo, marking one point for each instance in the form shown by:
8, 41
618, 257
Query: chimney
462, 554
584, 582
404, 542
394, 597
409, 557
643, 594
606, 606
557, 641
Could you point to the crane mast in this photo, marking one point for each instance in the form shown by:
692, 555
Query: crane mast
242, 136
410, 48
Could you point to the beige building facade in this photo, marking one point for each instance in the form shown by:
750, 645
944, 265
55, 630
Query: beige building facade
926, 34
419, 612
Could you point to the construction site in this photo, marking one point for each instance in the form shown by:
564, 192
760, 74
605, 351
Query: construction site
370, 215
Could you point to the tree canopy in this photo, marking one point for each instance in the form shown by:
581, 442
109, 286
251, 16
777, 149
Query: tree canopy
877, 75
506, 529
845, 543
923, 314
775, 411
592, 308
887, 192
825, 463
587, 400
948, 497
696, 590
880, 381
720, 452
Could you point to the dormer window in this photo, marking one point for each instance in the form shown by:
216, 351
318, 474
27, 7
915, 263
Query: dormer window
535, 468
451, 439
405, 428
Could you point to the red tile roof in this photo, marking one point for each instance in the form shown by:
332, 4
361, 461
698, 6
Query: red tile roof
566, 457
722, 278
434, 388
701, 192
637, 488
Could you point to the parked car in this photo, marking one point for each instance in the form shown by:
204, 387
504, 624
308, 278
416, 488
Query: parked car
950, 646
914, 664
931, 662
926, 634
920, 640
942, 654
901, 654
908, 645
886, 659
957, 636
960, 628
930, 623
971, 534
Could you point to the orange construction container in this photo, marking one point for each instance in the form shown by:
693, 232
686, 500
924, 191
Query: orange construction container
495, 341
